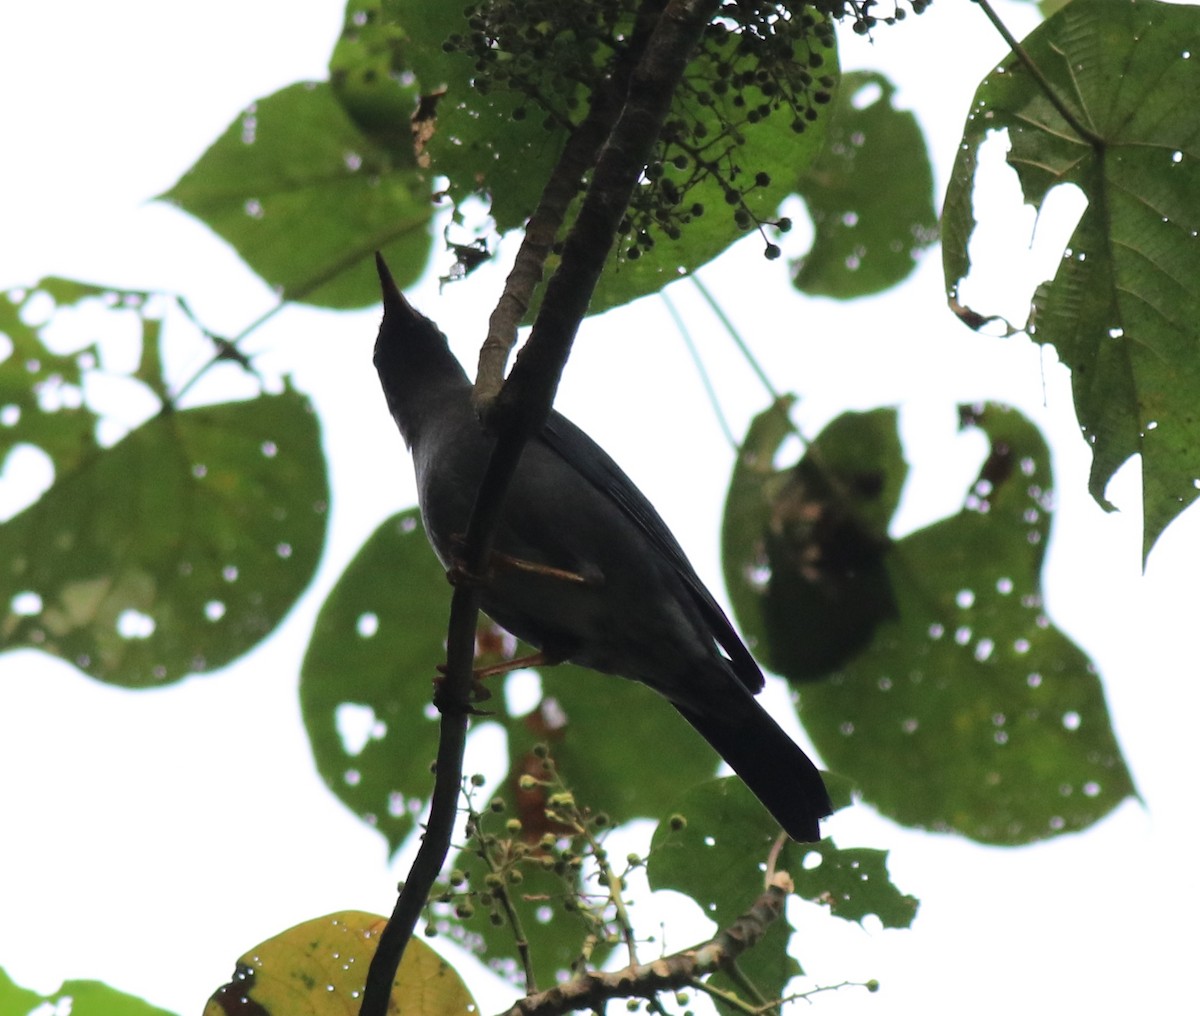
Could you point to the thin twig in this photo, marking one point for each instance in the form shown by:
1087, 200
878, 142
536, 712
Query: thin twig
705, 379
734, 334
670, 973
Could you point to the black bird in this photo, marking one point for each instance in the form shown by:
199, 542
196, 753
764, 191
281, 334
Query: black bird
586, 570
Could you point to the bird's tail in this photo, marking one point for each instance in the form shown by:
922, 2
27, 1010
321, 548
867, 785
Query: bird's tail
770, 763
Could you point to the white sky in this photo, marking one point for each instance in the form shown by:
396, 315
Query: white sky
150, 838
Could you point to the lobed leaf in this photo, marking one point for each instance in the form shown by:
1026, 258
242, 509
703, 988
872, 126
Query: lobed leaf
1123, 309
963, 708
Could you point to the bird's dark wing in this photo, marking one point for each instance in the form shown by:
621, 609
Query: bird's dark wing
587, 458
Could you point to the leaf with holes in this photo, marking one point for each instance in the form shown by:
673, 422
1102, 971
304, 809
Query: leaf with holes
1123, 311
869, 192
306, 199
969, 711
174, 551
719, 856
366, 681
319, 968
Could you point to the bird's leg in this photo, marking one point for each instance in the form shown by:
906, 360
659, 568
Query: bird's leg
457, 573
538, 659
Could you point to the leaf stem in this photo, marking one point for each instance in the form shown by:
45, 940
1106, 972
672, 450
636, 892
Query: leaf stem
734, 334
1065, 111
709, 389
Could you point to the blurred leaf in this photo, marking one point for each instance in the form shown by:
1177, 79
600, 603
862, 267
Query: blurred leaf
41, 392
306, 199
80, 998
869, 192
600, 748
853, 882
319, 968
970, 711
481, 144
804, 550
1124, 307
370, 663
174, 551
369, 78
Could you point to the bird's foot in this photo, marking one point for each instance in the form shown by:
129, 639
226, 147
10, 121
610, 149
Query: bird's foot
476, 692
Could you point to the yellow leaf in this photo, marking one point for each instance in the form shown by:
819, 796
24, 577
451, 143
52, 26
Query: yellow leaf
318, 968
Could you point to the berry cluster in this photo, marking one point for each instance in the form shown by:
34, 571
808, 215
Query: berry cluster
758, 60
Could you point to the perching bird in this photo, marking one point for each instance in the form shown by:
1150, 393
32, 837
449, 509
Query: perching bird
585, 570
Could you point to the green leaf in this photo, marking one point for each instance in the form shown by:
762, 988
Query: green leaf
971, 711
81, 998
306, 198
870, 194
719, 856
174, 551
368, 76
804, 550
370, 662
319, 968
1123, 311
375, 646
853, 882
718, 859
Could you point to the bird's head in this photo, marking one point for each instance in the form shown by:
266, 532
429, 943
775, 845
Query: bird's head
416, 368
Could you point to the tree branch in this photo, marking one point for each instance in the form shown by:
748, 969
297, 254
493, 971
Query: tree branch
577, 157
670, 973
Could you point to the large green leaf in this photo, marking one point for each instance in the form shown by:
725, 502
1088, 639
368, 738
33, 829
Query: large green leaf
174, 551
81, 998
306, 198
1123, 310
965, 709
869, 192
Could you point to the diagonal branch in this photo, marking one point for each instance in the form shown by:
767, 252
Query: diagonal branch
592, 989
577, 158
